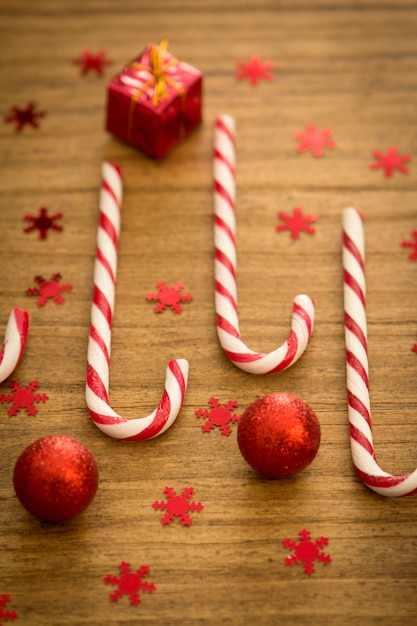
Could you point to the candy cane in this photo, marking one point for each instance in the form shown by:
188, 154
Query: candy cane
225, 271
359, 409
99, 342
14, 342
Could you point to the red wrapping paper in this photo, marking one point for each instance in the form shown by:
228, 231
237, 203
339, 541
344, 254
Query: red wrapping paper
154, 102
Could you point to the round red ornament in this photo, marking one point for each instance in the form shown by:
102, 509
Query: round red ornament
55, 478
278, 435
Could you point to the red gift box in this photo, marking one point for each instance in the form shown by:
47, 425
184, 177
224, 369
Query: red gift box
155, 101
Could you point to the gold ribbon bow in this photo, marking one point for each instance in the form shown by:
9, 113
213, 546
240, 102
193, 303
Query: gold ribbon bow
159, 79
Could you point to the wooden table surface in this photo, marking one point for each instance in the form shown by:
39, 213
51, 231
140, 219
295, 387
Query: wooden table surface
346, 65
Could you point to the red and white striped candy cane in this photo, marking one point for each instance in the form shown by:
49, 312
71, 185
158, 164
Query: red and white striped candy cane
362, 445
99, 343
14, 344
225, 271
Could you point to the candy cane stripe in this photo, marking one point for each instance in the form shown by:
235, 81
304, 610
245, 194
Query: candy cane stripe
14, 342
106, 265
95, 382
225, 287
350, 245
356, 330
355, 363
357, 370
354, 285
222, 258
99, 341
103, 305
221, 157
359, 437
227, 231
223, 324
222, 291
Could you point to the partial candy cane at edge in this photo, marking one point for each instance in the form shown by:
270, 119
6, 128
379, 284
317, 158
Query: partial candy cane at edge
357, 370
227, 320
99, 342
14, 344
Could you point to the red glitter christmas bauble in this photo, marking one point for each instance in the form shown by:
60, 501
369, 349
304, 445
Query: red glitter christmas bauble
278, 435
55, 478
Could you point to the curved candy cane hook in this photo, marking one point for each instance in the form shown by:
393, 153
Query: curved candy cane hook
362, 445
99, 342
14, 344
227, 320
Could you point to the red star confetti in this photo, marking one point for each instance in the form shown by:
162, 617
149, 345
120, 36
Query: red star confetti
412, 245
390, 161
94, 62
129, 583
23, 398
48, 289
255, 70
42, 222
218, 416
306, 551
20, 117
414, 348
314, 140
169, 297
297, 222
177, 506
5, 615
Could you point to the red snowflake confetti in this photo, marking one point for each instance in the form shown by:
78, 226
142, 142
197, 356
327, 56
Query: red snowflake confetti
314, 140
169, 297
306, 551
42, 222
6, 616
23, 398
255, 70
296, 222
412, 245
48, 289
219, 416
90, 61
129, 583
390, 161
28, 115
177, 506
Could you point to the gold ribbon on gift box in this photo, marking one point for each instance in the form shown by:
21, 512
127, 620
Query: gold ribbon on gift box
159, 78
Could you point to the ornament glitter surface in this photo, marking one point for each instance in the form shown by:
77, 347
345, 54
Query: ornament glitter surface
55, 478
278, 435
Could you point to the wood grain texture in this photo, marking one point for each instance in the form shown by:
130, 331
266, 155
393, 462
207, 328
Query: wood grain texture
348, 65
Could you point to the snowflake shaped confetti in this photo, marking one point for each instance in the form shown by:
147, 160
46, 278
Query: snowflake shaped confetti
94, 62
219, 416
23, 398
296, 222
129, 583
411, 244
314, 140
27, 115
48, 289
177, 506
5, 615
391, 161
42, 222
169, 297
255, 70
306, 551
